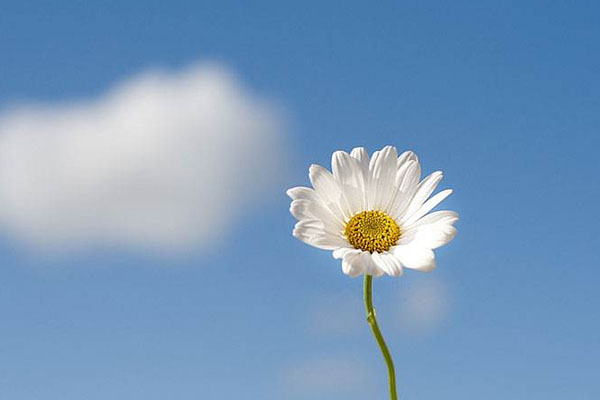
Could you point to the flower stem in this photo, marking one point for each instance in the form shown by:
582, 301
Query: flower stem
379, 337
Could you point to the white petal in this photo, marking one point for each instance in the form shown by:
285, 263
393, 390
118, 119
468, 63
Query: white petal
307, 229
323, 182
306, 209
328, 190
430, 236
405, 157
352, 265
299, 210
408, 175
369, 265
311, 241
342, 166
431, 231
388, 263
446, 216
408, 168
347, 172
406, 181
383, 167
300, 192
424, 190
361, 155
311, 233
426, 207
415, 257
327, 242
343, 251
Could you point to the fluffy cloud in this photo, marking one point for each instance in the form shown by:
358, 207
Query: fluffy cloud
164, 159
423, 305
417, 305
326, 377
336, 314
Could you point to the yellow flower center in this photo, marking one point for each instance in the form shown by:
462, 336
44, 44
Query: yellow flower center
372, 231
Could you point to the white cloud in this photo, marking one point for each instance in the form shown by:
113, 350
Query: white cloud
332, 315
325, 377
163, 159
415, 305
423, 305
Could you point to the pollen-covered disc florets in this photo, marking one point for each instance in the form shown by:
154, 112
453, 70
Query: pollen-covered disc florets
372, 231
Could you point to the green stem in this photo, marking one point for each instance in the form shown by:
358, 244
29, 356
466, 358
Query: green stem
379, 337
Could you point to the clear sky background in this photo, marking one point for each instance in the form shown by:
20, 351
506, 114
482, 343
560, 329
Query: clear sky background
504, 97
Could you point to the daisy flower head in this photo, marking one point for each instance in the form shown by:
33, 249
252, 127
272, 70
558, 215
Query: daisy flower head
373, 213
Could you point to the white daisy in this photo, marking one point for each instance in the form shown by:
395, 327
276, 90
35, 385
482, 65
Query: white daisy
373, 214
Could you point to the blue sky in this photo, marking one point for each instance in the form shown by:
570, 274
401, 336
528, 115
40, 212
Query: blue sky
502, 96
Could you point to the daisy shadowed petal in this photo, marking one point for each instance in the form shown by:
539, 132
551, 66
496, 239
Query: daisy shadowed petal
347, 172
406, 183
361, 155
429, 236
301, 192
343, 251
328, 191
431, 231
345, 168
426, 207
388, 263
407, 156
415, 257
438, 216
372, 212
313, 232
383, 169
314, 227
352, 264
370, 267
424, 190
306, 209
326, 241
